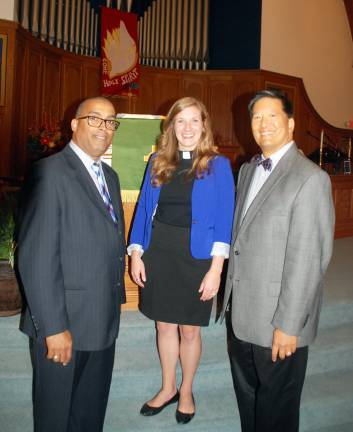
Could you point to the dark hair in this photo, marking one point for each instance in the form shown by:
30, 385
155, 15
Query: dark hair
274, 94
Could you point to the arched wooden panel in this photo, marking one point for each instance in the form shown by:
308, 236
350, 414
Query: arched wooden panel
34, 93
195, 86
220, 100
51, 88
72, 90
166, 92
92, 82
145, 102
243, 91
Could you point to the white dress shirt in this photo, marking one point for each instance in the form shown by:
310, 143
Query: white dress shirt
88, 162
261, 175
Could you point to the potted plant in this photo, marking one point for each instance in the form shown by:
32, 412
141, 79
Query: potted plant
10, 297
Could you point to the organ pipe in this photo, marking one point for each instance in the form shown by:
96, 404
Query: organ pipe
172, 33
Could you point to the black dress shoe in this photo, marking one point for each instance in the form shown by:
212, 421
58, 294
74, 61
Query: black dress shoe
147, 410
184, 418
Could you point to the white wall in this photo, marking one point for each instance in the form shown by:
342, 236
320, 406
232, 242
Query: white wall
311, 39
7, 9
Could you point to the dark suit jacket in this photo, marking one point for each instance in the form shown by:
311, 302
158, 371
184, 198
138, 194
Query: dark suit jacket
71, 254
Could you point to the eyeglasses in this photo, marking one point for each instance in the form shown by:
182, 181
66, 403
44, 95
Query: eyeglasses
97, 122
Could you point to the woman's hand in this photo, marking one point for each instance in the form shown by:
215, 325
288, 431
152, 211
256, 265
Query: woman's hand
210, 285
137, 269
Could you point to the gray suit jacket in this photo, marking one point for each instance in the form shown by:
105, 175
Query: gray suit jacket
280, 252
71, 254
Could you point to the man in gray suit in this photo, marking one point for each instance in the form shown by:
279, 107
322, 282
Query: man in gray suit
282, 244
71, 250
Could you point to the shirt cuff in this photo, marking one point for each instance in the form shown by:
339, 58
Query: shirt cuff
133, 247
220, 249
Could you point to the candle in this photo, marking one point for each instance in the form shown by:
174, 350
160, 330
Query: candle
349, 148
321, 146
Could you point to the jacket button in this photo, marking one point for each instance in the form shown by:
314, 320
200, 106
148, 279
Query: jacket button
236, 252
230, 276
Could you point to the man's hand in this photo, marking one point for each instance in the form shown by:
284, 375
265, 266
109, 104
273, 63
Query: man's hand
59, 347
283, 345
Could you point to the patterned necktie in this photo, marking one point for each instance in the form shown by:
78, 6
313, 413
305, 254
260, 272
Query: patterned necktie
266, 163
103, 191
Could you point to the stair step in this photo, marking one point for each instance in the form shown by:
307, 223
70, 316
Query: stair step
137, 329
326, 407
332, 350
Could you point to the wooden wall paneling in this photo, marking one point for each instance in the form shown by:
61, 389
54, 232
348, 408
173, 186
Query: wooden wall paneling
167, 90
244, 88
29, 90
145, 100
92, 80
34, 83
195, 85
342, 186
311, 133
220, 100
7, 110
125, 104
71, 92
21, 95
51, 88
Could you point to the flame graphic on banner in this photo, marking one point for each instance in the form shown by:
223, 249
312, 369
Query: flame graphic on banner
120, 50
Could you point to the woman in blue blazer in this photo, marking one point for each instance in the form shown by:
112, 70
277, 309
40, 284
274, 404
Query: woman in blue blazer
179, 240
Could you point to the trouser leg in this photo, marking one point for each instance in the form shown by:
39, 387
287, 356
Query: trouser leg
71, 398
268, 393
92, 379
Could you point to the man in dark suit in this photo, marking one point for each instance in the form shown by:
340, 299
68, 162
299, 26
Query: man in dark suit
71, 250
282, 244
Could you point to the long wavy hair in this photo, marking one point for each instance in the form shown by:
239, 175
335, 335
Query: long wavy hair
167, 156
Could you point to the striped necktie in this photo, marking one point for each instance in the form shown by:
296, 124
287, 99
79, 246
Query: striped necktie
103, 190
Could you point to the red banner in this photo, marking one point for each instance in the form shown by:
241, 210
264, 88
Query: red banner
119, 52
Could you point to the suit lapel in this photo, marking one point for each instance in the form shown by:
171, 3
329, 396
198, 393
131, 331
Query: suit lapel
244, 183
276, 176
85, 180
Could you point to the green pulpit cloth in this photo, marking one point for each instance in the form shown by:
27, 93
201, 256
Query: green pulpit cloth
133, 144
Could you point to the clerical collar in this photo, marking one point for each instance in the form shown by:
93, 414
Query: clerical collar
185, 154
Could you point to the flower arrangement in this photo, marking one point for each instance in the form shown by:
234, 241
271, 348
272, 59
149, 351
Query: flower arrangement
44, 139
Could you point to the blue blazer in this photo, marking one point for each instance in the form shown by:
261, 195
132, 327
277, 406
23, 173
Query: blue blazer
212, 204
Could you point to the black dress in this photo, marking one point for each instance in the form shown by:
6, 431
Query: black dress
173, 275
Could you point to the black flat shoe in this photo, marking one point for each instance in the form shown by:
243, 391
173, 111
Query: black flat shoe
147, 410
184, 418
